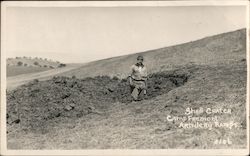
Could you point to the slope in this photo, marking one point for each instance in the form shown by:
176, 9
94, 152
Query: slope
220, 49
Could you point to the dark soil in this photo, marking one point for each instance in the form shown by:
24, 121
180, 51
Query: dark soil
33, 104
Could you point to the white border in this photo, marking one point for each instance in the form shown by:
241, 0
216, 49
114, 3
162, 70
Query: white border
122, 3
3, 81
248, 75
5, 4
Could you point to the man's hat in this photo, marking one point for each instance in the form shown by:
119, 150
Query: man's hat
139, 57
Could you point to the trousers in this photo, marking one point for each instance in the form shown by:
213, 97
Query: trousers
136, 87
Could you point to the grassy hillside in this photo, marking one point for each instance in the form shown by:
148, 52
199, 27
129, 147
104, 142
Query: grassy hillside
215, 50
17, 70
25, 65
31, 62
27, 74
96, 112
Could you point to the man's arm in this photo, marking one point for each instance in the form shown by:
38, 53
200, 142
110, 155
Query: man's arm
145, 74
145, 78
130, 76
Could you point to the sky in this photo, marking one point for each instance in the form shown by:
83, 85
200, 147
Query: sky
83, 34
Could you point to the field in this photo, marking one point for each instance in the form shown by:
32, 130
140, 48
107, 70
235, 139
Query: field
24, 65
89, 107
16, 70
20, 79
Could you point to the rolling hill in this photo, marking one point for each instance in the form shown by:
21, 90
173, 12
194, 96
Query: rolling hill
32, 62
215, 50
25, 65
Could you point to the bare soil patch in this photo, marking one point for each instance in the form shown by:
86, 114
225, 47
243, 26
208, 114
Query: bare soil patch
32, 104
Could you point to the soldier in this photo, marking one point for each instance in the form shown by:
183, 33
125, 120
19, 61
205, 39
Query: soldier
138, 79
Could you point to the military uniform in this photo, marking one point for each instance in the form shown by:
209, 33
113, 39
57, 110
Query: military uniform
138, 80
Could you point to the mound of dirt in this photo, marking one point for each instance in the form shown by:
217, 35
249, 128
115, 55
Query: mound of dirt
33, 104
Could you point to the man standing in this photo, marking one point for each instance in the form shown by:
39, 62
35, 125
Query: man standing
138, 78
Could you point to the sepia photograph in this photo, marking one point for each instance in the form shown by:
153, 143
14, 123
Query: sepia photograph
138, 77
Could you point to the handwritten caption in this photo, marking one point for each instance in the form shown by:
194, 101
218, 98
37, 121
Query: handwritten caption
204, 118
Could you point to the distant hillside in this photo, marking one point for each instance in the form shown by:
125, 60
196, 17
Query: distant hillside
32, 62
24, 65
220, 49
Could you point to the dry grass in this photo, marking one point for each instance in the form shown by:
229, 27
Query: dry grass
219, 49
144, 124
15, 81
17, 70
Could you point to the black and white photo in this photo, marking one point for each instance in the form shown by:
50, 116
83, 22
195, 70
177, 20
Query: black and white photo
104, 76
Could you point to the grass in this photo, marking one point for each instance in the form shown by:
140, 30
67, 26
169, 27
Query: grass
144, 124
18, 70
15, 81
32, 62
219, 49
